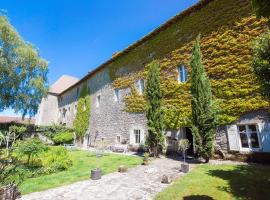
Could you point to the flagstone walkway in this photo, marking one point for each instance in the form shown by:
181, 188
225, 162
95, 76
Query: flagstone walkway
138, 183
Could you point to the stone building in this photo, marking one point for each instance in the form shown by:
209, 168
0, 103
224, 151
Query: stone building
117, 102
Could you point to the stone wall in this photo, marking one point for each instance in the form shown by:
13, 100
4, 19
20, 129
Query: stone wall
48, 110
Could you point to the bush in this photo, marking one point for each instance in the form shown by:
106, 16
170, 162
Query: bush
63, 137
51, 131
56, 159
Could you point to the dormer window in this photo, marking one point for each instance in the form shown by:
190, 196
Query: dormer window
141, 86
182, 74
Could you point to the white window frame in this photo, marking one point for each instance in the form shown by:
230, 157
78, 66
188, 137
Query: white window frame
140, 136
141, 85
182, 73
116, 95
250, 149
98, 100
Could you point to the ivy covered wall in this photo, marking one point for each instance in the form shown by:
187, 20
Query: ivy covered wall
228, 30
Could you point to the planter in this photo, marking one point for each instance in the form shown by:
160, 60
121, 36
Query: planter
145, 161
185, 167
96, 174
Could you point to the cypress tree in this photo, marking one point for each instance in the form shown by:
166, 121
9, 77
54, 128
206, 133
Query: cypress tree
203, 111
155, 138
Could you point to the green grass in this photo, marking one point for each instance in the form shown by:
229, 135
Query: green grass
83, 162
223, 182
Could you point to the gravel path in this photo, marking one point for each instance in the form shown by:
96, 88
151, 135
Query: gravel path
141, 182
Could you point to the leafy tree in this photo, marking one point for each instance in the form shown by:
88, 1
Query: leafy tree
155, 121
30, 149
261, 62
23, 73
81, 122
261, 8
203, 110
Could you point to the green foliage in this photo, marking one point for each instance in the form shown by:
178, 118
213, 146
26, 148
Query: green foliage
227, 37
261, 8
23, 72
8, 137
51, 131
261, 62
183, 144
63, 138
81, 121
30, 149
9, 172
56, 159
204, 120
154, 114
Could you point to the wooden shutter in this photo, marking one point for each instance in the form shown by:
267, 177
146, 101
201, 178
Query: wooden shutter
264, 134
233, 138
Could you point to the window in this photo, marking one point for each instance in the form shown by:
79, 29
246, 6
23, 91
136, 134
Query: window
137, 135
98, 100
248, 135
118, 139
141, 86
78, 89
116, 95
182, 74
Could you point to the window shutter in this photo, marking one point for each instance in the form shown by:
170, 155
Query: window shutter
233, 138
264, 130
132, 137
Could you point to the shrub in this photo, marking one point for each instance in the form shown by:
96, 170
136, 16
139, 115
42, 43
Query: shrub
51, 131
30, 149
56, 159
63, 137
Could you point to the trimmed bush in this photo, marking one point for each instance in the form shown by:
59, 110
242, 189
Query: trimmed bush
56, 159
63, 138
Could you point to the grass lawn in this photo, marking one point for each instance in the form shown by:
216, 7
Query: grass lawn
220, 182
83, 162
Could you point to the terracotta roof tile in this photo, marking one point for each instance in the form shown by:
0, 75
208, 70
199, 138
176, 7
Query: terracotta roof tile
19, 120
62, 84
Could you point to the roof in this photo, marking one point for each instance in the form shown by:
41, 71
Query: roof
62, 84
18, 120
169, 23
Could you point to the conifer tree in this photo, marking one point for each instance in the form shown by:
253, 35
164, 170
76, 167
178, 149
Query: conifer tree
203, 111
81, 122
155, 138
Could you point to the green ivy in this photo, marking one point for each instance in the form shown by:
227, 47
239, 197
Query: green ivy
228, 30
81, 122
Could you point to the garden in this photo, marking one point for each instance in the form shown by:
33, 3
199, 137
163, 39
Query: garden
29, 163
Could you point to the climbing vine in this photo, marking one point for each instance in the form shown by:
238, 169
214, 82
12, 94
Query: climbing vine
228, 29
81, 121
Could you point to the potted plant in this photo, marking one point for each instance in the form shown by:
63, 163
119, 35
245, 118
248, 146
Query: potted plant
145, 158
183, 146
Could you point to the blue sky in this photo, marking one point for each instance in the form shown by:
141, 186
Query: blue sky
76, 36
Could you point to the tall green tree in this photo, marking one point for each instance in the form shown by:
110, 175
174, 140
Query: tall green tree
261, 8
155, 139
81, 122
23, 73
261, 62
203, 110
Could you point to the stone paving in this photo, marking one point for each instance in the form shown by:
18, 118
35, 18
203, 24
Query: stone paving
138, 183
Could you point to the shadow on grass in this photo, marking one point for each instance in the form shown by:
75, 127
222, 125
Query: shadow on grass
197, 197
246, 182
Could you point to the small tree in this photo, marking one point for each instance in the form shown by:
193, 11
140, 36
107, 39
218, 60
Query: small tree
30, 149
261, 62
183, 146
155, 139
81, 122
203, 111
